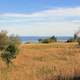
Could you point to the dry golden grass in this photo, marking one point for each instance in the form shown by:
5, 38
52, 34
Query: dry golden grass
57, 61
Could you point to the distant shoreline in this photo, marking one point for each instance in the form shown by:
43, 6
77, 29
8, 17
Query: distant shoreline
35, 39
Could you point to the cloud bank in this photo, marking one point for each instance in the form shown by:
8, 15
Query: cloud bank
50, 12
58, 21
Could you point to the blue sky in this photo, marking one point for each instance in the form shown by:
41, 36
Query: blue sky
29, 6
40, 17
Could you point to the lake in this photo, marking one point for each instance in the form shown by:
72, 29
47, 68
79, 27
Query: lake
36, 38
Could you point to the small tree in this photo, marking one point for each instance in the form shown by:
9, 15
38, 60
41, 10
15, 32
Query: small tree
48, 40
53, 38
74, 39
40, 40
75, 36
9, 47
9, 53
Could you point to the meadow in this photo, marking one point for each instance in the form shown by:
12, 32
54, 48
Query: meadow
54, 61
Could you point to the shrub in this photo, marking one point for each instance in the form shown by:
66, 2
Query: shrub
3, 40
78, 41
9, 53
70, 40
53, 38
8, 47
74, 39
48, 40
45, 41
75, 36
40, 40
15, 40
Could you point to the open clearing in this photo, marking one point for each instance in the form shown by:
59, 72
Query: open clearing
44, 62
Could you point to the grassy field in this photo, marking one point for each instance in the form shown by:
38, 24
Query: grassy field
57, 61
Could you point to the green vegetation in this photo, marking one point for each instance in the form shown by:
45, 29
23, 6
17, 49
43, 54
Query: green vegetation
9, 53
74, 39
48, 40
8, 47
4, 40
78, 41
14, 40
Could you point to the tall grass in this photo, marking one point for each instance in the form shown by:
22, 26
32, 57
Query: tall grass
52, 73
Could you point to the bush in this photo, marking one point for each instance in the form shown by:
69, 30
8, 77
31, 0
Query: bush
40, 40
15, 40
53, 38
8, 47
74, 39
48, 40
78, 41
9, 53
45, 41
4, 40
70, 40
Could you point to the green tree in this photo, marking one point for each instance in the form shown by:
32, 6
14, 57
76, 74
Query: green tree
9, 47
75, 36
74, 39
48, 40
40, 40
53, 38
9, 54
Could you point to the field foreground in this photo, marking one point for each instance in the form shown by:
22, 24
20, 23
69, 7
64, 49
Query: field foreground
58, 61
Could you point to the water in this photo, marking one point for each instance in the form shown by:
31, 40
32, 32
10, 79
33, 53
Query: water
64, 38
36, 38
32, 38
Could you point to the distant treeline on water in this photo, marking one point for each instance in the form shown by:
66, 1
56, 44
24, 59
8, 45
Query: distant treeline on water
36, 38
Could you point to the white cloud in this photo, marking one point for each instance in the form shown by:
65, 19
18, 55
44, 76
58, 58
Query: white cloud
76, 21
75, 11
59, 12
47, 22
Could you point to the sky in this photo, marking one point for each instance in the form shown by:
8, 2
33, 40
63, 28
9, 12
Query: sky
40, 17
